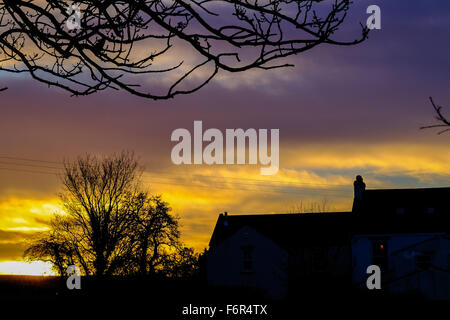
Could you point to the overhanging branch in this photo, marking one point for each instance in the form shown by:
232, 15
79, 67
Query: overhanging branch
160, 48
443, 122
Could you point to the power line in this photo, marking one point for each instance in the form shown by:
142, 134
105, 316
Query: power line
271, 182
165, 178
265, 189
267, 183
29, 171
256, 180
260, 188
29, 165
28, 159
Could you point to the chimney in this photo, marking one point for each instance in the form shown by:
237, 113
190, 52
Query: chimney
225, 221
358, 186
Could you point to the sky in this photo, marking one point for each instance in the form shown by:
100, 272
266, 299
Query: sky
341, 111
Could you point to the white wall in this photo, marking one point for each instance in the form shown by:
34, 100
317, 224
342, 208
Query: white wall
404, 276
225, 263
433, 282
362, 250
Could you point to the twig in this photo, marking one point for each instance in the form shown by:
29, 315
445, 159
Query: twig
444, 122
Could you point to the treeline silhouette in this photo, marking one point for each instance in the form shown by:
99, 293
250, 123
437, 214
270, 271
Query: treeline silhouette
111, 226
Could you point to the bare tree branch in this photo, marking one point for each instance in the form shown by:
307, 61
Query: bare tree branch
160, 48
443, 122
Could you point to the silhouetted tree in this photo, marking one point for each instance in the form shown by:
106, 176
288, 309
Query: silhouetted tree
95, 198
311, 207
183, 263
443, 122
156, 233
110, 225
54, 247
119, 42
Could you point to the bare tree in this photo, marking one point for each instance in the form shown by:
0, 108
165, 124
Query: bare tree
110, 225
443, 122
53, 247
321, 206
176, 46
63, 245
95, 197
183, 263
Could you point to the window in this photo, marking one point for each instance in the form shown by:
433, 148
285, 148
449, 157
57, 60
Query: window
380, 254
423, 260
400, 210
319, 259
247, 254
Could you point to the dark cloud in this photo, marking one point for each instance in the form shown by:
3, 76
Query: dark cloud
12, 251
11, 235
13, 244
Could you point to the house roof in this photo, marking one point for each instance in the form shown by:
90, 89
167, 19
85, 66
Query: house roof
421, 210
408, 202
382, 211
288, 229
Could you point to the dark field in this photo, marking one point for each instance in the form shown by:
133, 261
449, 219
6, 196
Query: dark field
165, 299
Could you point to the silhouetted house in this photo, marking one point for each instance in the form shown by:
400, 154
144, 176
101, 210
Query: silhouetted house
272, 252
404, 231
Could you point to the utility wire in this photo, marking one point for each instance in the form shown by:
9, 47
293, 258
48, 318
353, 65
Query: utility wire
170, 176
28, 159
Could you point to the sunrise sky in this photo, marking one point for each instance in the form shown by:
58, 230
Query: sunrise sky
341, 111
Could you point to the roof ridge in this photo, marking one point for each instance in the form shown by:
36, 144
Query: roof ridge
408, 189
285, 214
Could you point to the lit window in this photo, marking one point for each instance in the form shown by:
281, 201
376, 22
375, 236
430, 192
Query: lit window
380, 254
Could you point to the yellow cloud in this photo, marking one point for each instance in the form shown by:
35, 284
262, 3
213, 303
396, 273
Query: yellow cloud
414, 160
26, 214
